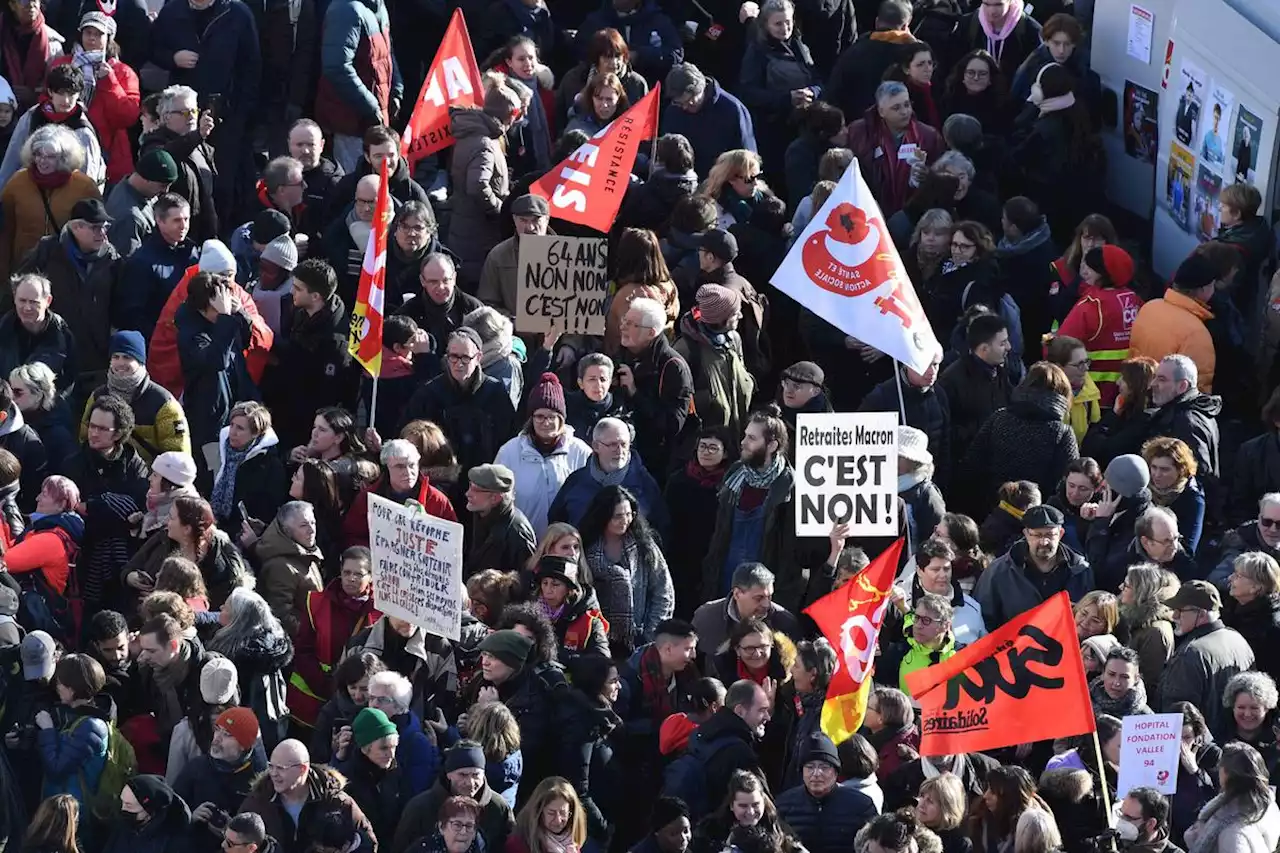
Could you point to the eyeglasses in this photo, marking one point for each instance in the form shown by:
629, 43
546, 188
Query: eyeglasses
456, 358
188, 113
282, 768
1083, 364
545, 419
976, 73
925, 621
763, 649
1269, 523
95, 227
793, 384
462, 826
963, 246
366, 202
709, 447
228, 844
353, 575
749, 179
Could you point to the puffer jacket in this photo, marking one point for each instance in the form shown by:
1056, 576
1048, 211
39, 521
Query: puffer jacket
539, 477
287, 572
74, 754
1175, 323
1028, 440
825, 825
481, 182
325, 788
358, 76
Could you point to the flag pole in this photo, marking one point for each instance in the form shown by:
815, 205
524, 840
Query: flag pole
1102, 778
373, 400
902, 403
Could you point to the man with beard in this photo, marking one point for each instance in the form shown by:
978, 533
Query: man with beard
474, 410
1036, 568
160, 425
380, 143
1143, 825
169, 681
216, 783
531, 215
438, 310
32, 332
107, 641
755, 520
312, 365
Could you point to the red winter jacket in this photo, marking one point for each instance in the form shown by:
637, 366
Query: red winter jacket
163, 365
355, 527
1103, 319
114, 109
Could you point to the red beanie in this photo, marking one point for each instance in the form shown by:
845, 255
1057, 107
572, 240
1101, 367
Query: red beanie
1118, 264
547, 394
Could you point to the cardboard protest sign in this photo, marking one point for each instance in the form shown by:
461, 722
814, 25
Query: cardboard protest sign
417, 566
847, 472
1149, 746
562, 284
1022, 683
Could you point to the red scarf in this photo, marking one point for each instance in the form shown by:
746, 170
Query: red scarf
757, 677
49, 182
929, 113
704, 478
897, 173
26, 70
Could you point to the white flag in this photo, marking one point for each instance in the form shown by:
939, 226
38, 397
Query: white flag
845, 268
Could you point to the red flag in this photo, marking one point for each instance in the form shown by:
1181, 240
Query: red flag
1022, 683
366, 319
454, 81
588, 186
850, 618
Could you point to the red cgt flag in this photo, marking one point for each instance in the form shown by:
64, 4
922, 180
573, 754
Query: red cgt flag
588, 186
365, 343
850, 618
454, 81
1023, 683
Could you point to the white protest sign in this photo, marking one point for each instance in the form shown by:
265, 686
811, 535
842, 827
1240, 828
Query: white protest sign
417, 566
1149, 745
562, 284
847, 472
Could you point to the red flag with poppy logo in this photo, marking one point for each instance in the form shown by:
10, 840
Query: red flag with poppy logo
365, 344
850, 618
587, 186
454, 81
1022, 683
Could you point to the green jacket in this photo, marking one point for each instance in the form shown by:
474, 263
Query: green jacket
906, 656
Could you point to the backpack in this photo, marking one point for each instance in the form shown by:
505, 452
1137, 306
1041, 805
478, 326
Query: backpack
686, 777
118, 767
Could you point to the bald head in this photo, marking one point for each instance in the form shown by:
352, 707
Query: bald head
367, 196
289, 766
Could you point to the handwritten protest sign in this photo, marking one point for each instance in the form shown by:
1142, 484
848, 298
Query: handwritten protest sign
1149, 745
562, 284
847, 472
417, 566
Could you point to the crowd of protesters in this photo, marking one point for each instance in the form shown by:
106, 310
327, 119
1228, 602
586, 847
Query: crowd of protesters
191, 654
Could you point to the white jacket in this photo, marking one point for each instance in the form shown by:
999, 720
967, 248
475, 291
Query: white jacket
1219, 829
539, 477
966, 618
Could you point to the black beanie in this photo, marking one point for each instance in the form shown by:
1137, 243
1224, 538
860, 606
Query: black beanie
152, 793
666, 810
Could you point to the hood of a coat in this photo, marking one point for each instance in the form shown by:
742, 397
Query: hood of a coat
275, 542
468, 123
1209, 405
1037, 404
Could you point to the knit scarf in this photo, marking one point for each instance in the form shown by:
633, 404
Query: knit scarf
26, 70
87, 63
495, 349
224, 488
558, 842
49, 181
996, 40
158, 507
707, 478
1125, 706
126, 386
756, 478
603, 477
169, 679
553, 614
930, 107
1166, 497
1011, 509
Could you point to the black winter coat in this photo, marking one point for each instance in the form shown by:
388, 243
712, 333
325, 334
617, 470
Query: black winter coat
946, 295
1259, 623
1109, 547
437, 321
928, 410
196, 174
214, 374
503, 540
204, 780
1192, 418
311, 369
477, 421
799, 720
168, 831
533, 696
1257, 472
742, 755
1116, 435
691, 503
826, 825
57, 433
588, 759
379, 793
54, 346
17, 437
974, 392
660, 406
858, 71
1028, 440
1016, 48
112, 490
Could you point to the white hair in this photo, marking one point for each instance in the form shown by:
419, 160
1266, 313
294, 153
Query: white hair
1037, 832
650, 311
400, 688
399, 448
606, 424
955, 161
1259, 685
890, 89
42, 381
1269, 499
68, 146
1184, 369
173, 94
292, 510
42, 284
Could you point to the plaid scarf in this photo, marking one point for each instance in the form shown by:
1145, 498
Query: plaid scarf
653, 686
756, 478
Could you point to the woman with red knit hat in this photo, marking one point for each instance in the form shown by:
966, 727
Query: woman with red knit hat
1103, 315
545, 452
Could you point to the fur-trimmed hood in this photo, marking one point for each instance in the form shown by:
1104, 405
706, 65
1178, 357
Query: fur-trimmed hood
325, 783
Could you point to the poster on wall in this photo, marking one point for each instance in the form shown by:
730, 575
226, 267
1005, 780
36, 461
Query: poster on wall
1138, 44
1244, 146
1213, 148
1182, 164
1191, 92
1141, 108
1205, 206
